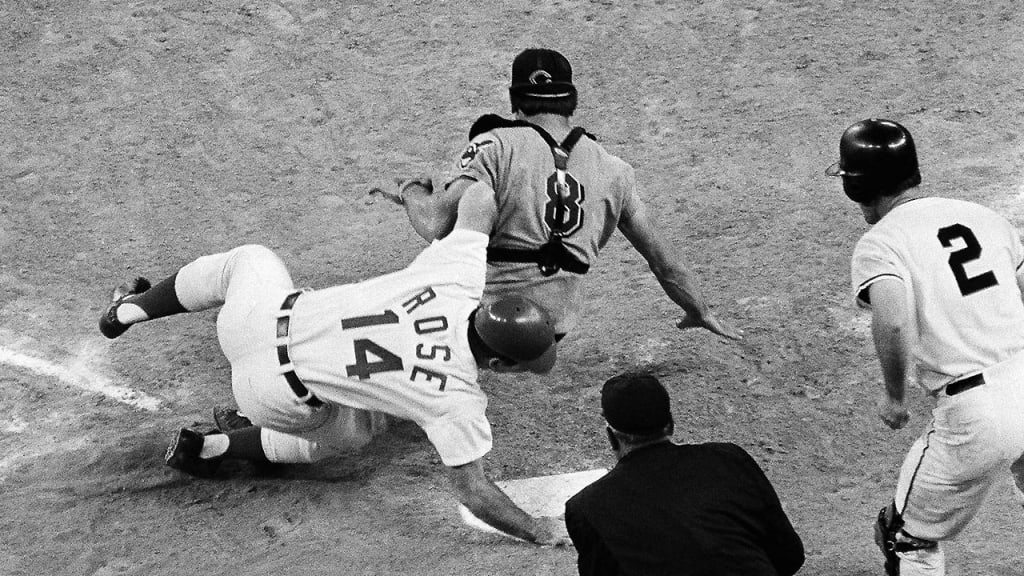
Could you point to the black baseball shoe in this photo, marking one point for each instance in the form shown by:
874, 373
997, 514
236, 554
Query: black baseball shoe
183, 454
229, 419
109, 325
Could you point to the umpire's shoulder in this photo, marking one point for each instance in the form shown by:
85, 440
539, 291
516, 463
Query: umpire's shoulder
729, 450
591, 492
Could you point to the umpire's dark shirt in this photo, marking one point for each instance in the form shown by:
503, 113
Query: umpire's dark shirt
685, 510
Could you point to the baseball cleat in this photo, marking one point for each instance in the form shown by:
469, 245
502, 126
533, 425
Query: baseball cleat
110, 326
229, 419
183, 454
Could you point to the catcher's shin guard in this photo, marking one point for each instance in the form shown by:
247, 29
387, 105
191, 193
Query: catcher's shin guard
890, 538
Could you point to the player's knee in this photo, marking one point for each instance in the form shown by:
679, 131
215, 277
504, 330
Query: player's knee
354, 439
251, 252
255, 261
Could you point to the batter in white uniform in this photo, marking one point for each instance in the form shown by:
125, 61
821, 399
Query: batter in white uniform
317, 370
943, 279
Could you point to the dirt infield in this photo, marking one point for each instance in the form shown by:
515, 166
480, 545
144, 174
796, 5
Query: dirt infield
137, 135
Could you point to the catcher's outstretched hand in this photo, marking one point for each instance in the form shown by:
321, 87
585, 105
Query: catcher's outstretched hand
712, 324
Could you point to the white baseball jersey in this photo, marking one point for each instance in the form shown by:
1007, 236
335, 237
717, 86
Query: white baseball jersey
958, 261
398, 344
517, 163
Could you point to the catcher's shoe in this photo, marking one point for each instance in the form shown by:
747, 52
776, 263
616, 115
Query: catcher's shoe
183, 454
109, 324
229, 419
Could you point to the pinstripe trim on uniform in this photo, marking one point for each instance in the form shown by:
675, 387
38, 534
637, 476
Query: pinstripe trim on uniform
910, 485
863, 288
871, 280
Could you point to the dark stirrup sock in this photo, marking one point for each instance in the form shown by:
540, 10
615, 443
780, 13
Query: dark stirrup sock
246, 444
160, 300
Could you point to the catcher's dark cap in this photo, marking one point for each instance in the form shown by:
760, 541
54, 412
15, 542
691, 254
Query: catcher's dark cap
636, 403
541, 73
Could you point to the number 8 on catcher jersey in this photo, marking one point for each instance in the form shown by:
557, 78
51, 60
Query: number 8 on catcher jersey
567, 212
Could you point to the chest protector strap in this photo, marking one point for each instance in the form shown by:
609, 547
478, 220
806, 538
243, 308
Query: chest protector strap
552, 256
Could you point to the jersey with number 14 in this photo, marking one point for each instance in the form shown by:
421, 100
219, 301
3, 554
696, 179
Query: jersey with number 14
958, 261
398, 344
517, 163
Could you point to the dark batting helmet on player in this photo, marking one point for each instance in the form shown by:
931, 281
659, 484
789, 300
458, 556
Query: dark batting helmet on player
517, 328
876, 158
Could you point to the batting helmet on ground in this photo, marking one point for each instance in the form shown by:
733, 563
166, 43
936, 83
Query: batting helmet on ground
876, 158
517, 328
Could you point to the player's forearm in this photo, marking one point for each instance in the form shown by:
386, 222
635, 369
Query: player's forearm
680, 285
496, 509
488, 503
891, 350
431, 215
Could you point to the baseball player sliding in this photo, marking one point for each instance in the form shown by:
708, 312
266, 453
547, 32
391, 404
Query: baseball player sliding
317, 370
943, 279
560, 196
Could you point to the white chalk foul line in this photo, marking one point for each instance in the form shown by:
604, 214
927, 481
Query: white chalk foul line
80, 377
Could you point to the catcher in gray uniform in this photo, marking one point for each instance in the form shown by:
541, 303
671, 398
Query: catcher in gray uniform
560, 196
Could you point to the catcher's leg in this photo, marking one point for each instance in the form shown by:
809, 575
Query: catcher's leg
906, 555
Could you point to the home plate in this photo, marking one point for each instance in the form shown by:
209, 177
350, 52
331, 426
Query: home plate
538, 496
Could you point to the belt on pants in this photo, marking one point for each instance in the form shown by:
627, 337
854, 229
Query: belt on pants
283, 324
959, 386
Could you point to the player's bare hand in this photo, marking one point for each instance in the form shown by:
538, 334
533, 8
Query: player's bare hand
551, 532
711, 323
396, 193
893, 412
387, 195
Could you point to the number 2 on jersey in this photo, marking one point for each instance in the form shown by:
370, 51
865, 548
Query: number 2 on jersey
970, 252
387, 360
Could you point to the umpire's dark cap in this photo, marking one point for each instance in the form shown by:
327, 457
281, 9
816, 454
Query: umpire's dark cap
541, 73
636, 403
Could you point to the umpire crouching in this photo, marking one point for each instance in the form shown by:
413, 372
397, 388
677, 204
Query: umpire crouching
680, 509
